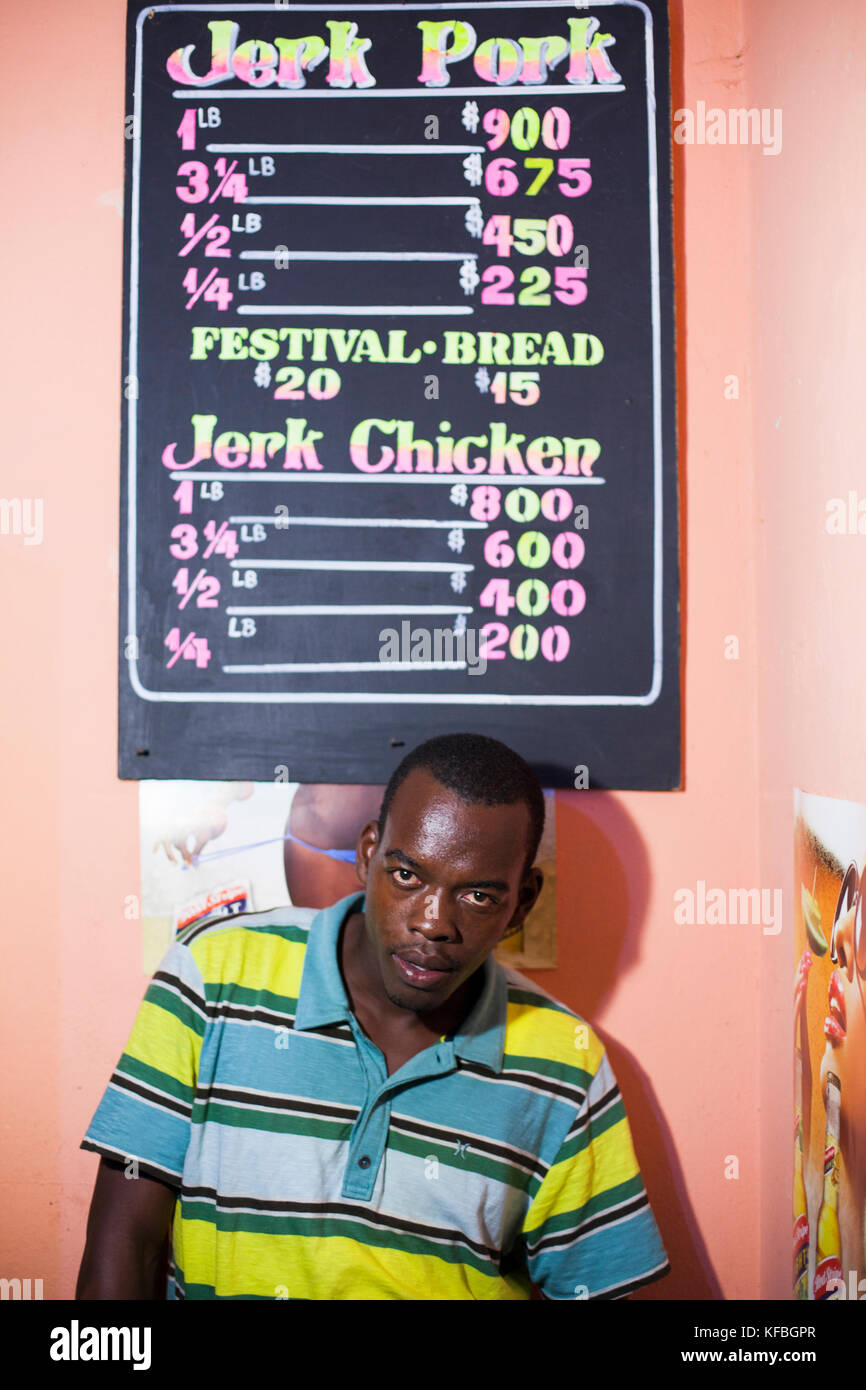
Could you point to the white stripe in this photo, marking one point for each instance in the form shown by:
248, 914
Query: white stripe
346, 149
139, 1158
644, 1275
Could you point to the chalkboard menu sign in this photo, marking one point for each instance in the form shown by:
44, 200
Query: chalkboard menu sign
398, 429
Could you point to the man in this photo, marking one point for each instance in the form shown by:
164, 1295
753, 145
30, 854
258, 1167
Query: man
370, 1106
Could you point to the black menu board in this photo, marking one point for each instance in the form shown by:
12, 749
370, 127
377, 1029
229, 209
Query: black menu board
399, 414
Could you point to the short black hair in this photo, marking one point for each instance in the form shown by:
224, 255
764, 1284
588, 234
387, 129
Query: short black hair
478, 769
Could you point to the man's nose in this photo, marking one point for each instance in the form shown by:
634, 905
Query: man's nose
435, 918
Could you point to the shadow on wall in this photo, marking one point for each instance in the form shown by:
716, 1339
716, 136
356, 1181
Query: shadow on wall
692, 1275
610, 882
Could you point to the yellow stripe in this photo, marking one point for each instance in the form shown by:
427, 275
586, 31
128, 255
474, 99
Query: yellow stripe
321, 1267
553, 1036
609, 1160
251, 959
160, 1040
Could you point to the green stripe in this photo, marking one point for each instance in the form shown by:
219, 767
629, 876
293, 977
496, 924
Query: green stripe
216, 992
152, 1076
557, 1071
271, 1121
538, 1001
601, 1202
168, 999
299, 934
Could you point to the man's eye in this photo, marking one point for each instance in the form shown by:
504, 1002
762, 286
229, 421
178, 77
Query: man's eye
481, 899
408, 872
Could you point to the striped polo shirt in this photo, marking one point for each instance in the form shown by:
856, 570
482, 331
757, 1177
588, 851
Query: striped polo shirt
494, 1159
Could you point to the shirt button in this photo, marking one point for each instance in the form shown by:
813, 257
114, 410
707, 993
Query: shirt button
364, 1162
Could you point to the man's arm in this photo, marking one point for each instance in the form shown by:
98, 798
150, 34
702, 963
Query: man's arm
594, 1234
127, 1229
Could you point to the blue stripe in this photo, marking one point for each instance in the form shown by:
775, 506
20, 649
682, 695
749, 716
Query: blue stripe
123, 1122
612, 1255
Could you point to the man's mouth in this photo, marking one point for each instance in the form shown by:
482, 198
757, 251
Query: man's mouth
836, 1023
418, 969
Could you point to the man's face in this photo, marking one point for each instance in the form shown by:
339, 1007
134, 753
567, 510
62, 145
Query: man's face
442, 888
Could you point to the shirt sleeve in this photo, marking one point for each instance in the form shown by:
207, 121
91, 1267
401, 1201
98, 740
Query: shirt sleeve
589, 1232
145, 1113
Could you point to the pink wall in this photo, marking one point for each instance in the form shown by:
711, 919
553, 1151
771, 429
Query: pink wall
695, 1016
808, 342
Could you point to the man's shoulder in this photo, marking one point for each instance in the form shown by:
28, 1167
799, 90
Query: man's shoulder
221, 945
541, 1026
538, 1003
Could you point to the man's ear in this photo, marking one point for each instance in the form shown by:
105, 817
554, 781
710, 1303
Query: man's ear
530, 888
368, 842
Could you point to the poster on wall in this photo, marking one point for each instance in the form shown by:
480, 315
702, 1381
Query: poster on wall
398, 447
215, 849
829, 1049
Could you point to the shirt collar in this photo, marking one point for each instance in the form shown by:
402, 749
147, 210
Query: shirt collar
322, 997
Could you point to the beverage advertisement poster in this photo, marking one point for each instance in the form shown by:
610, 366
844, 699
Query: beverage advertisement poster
212, 849
829, 1049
